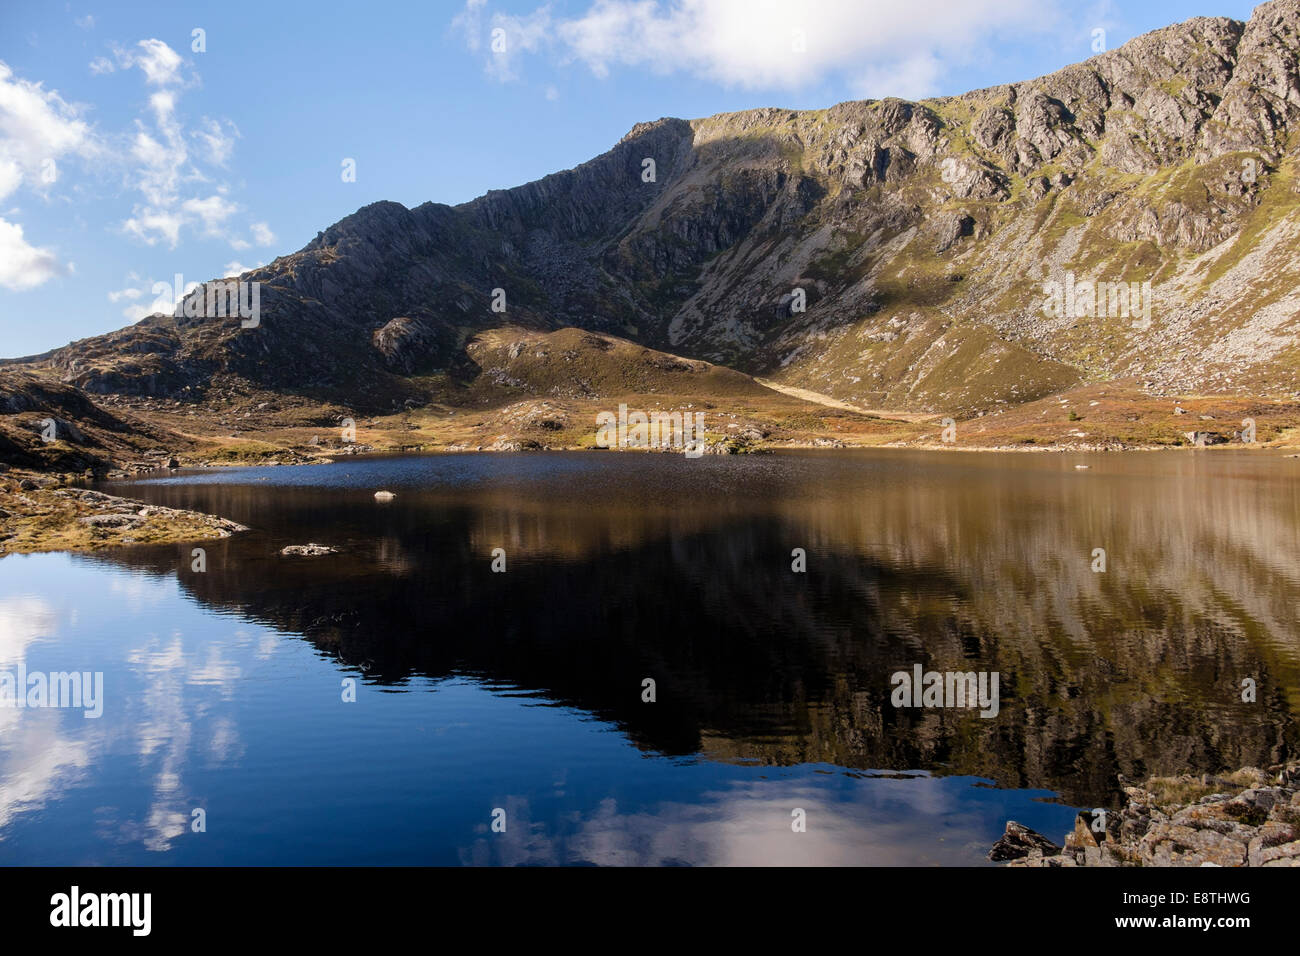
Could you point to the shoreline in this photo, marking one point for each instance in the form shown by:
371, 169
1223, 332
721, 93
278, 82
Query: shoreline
46, 511
70, 519
1250, 817
764, 448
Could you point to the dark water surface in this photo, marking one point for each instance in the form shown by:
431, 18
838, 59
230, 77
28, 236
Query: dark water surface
523, 691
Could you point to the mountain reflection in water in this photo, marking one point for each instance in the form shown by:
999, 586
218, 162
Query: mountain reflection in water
628, 566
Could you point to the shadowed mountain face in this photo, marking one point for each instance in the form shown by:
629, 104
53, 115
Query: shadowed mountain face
46, 424
921, 236
975, 564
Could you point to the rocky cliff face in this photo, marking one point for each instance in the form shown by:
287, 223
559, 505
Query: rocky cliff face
888, 253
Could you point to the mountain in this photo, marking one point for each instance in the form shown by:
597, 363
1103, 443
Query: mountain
942, 251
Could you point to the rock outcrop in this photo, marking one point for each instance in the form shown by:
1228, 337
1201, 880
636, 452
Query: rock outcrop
1249, 818
311, 550
44, 515
887, 253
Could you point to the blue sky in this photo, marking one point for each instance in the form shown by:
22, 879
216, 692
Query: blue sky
127, 155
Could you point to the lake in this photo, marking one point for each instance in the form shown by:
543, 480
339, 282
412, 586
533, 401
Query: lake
401, 701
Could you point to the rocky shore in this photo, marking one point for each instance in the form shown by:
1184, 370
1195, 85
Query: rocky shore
38, 513
1247, 818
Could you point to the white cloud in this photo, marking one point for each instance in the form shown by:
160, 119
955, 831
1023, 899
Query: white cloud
171, 164
137, 305
470, 22
216, 140
151, 225
163, 104
22, 265
167, 158
11, 176
914, 78
86, 23
159, 166
159, 62
233, 269
505, 38
37, 127
211, 213
880, 47
517, 35
149, 298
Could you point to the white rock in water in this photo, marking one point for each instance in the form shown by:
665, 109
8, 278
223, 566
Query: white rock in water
384, 496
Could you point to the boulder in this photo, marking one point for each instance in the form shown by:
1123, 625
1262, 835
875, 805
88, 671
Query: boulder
1019, 842
1251, 819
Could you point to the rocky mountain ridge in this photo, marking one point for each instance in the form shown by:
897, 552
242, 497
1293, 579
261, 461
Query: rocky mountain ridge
886, 253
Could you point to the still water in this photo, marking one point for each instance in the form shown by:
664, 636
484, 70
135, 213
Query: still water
224, 690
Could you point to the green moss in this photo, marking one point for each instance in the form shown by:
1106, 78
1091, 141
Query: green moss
1174, 86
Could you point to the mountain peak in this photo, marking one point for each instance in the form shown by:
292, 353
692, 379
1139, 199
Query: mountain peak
883, 252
